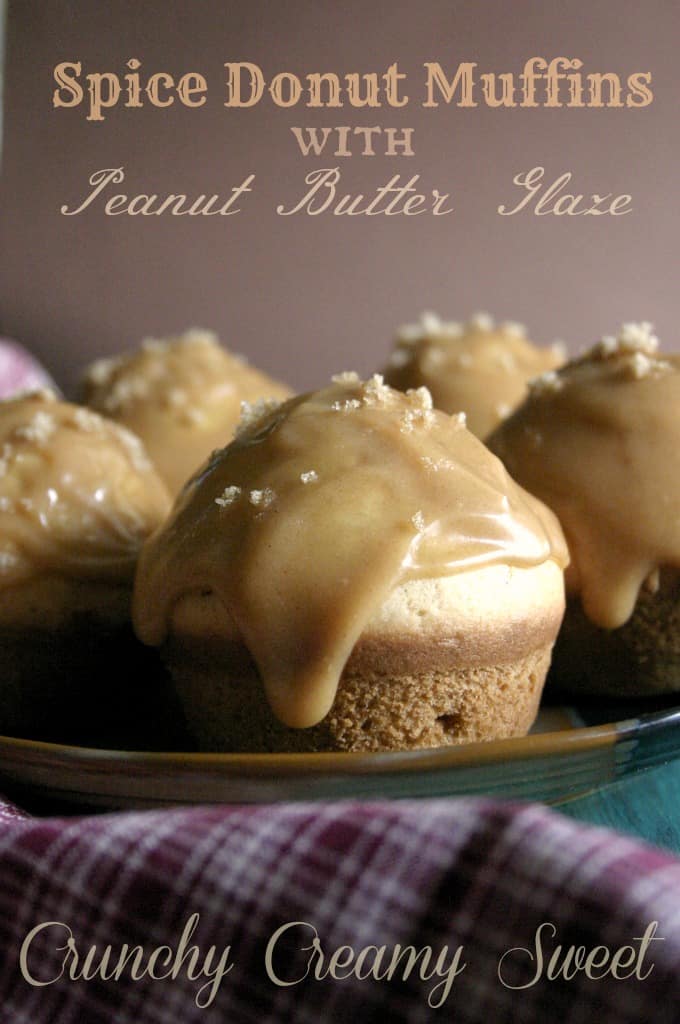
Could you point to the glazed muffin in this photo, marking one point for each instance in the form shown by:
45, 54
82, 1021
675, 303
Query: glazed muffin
599, 442
181, 396
354, 572
78, 496
480, 368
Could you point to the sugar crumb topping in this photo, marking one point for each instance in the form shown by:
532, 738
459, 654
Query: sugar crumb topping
8, 560
546, 383
263, 498
346, 377
253, 412
310, 477
514, 329
38, 430
6, 454
374, 391
632, 337
436, 465
101, 371
505, 360
400, 357
346, 405
418, 521
420, 398
229, 496
87, 421
429, 326
481, 322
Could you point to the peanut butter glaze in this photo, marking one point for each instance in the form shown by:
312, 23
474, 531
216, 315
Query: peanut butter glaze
182, 396
317, 509
78, 494
599, 442
479, 368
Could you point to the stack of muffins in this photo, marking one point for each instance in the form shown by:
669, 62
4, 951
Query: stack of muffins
350, 569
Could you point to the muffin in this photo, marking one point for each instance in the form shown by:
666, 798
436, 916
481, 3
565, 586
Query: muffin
355, 571
77, 498
599, 442
181, 396
479, 368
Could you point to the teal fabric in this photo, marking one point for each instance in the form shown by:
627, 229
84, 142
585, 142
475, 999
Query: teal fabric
646, 805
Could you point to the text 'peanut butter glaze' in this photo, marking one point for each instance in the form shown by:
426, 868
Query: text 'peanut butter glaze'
319, 507
479, 368
78, 494
182, 396
599, 442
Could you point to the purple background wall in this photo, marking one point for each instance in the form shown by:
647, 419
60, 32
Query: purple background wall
305, 296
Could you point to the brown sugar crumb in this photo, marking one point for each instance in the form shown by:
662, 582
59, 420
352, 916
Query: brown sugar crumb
101, 371
229, 496
38, 430
418, 521
6, 455
429, 326
375, 392
253, 412
547, 383
262, 499
632, 337
346, 405
421, 412
87, 421
346, 377
513, 329
400, 357
481, 322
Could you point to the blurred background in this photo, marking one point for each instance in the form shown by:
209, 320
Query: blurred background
306, 296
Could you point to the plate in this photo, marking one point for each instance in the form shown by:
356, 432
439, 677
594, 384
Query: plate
571, 751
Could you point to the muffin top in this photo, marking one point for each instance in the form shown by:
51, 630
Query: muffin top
182, 396
599, 441
78, 494
479, 368
304, 524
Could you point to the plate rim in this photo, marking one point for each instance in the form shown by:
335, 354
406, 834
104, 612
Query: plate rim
255, 765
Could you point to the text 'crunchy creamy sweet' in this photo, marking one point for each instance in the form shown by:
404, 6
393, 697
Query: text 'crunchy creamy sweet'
313, 514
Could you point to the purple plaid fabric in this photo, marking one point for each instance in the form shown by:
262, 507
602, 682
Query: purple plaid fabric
434, 875
19, 370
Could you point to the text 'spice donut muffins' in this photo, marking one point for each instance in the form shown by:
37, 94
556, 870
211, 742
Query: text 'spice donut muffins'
480, 368
355, 571
599, 442
182, 396
78, 496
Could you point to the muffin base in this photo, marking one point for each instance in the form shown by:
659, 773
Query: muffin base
374, 709
639, 659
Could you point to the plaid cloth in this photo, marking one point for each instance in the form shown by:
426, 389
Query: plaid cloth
435, 875
20, 371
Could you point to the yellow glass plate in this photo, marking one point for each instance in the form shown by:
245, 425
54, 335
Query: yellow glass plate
571, 751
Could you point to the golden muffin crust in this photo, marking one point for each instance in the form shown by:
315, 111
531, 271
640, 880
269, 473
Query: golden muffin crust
480, 368
181, 395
